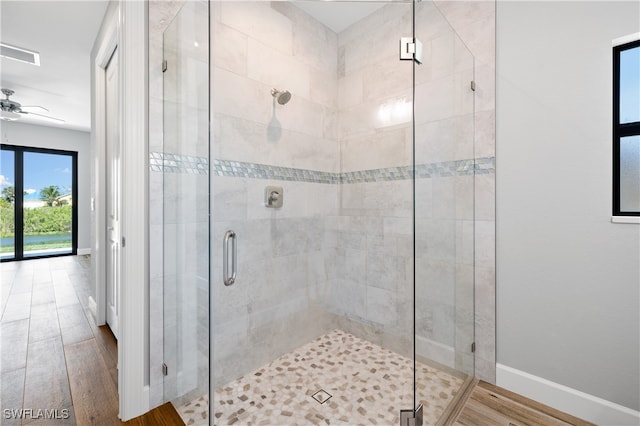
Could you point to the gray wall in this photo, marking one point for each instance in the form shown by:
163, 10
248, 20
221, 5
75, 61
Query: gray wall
567, 278
68, 140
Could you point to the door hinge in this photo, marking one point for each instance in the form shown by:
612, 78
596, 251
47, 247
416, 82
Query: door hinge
123, 242
164, 66
411, 49
165, 369
473, 347
473, 85
411, 417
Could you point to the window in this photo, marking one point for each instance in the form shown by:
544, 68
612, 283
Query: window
626, 127
38, 202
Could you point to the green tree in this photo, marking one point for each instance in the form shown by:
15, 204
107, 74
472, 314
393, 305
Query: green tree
9, 194
50, 194
6, 217
47, 220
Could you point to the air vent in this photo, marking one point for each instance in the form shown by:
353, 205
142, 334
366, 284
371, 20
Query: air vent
19, 54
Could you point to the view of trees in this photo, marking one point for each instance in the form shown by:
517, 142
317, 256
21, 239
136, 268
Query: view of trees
6, 216
9, 194
50, 194
55, 217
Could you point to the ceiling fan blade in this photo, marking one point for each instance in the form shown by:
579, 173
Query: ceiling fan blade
34, 106
43, 116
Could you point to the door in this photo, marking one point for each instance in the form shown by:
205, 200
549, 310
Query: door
113, 194
186, 205
38, 202
320, 314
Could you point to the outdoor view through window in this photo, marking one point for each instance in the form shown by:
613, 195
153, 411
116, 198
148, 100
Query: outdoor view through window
39, 220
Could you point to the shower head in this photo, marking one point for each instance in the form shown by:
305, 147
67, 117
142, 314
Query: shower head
281, 96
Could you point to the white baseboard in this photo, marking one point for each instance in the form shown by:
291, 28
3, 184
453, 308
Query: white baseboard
93, 307
563, 398
83, 251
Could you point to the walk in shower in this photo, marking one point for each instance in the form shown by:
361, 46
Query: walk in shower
318, 211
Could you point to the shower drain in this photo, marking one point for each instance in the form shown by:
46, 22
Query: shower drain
321, 396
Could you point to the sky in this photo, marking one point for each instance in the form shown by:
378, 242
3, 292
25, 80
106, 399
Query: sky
630, 85
40, 171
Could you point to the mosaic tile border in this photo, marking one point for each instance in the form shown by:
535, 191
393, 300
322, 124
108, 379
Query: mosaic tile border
173, 163
263, 171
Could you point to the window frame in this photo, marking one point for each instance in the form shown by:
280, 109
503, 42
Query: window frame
19, 151
621, 130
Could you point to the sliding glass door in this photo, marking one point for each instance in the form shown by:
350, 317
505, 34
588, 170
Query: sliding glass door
39, 208
7, 204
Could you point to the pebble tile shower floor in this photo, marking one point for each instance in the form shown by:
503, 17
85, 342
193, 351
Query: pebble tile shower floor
369, 385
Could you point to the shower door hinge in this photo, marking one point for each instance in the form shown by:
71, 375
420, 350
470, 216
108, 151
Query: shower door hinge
164, 66
473, 85
411, 49
473, 347
411, 417
123, 242
165, 369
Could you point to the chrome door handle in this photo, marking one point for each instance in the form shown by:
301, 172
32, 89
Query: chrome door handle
229, 237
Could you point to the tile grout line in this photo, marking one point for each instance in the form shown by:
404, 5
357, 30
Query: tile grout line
26, 355
64, 350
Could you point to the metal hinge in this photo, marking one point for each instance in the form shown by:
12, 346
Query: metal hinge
123, 242
411, 417
411, 49
164, 66
473, 347
473, 85
165, 369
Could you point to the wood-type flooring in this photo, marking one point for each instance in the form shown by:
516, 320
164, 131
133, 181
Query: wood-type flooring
54, 357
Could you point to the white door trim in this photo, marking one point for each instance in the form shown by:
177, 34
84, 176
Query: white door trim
113, 191
105, 51
127, 31
133, 347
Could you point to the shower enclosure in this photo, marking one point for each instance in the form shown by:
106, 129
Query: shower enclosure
318, 207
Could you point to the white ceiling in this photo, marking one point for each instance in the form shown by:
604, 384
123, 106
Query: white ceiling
63, 33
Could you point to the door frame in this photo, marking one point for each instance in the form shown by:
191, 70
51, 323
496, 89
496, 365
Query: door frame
107, 48
112, 271
125, 26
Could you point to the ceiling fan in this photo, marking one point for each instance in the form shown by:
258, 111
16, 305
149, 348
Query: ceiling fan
11, 110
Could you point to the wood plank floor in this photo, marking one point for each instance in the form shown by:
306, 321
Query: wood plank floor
53, 356
490, 405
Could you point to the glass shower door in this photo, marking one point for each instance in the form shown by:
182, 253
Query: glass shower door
186, 206
317, 326
444, 204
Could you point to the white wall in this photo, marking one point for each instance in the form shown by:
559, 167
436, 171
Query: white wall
567, 278
63, 139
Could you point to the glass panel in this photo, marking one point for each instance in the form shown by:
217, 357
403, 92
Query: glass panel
323, 295
7, 204
186, 206
47, 204
630, 174
630, 85
444, 206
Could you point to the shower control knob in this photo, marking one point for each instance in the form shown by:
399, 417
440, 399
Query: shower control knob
273, 196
